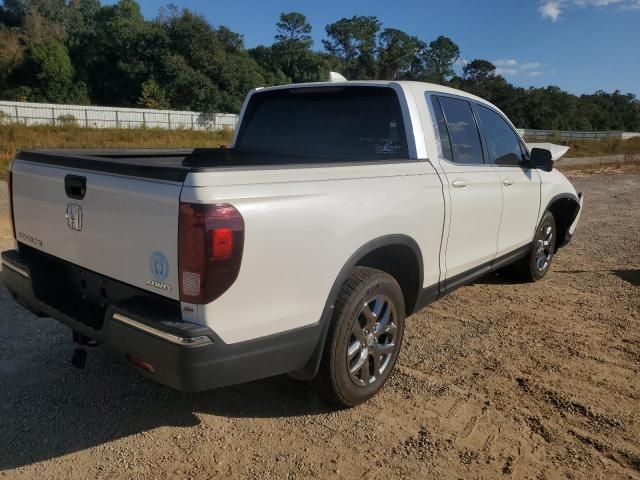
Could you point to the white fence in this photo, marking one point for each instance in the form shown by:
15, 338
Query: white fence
112, 117
569, 135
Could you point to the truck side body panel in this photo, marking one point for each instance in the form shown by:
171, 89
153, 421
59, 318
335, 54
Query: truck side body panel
302, 225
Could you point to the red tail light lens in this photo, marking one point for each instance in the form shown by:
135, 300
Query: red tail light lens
143, 364
211, 242
221, 243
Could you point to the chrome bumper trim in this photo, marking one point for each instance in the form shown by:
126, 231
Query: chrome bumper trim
15, 268
201, 340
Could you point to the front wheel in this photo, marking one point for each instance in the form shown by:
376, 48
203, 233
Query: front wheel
536, 265
364, 338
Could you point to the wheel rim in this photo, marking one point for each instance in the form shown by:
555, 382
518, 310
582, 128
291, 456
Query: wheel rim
372, 341
544, 247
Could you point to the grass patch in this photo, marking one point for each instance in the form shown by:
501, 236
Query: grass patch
16, 137
630, 163
596, 148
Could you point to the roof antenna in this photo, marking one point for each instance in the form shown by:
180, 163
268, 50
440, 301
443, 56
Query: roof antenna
336, 77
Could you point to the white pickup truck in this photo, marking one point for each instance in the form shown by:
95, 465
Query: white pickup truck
339, 209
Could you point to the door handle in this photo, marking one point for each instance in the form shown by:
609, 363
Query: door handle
75, 186
459, 183
507, 182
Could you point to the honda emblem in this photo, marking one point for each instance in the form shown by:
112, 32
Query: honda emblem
74, 217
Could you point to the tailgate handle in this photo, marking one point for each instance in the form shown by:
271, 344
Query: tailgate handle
75, 186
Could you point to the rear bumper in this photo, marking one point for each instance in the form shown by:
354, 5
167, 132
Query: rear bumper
182, 355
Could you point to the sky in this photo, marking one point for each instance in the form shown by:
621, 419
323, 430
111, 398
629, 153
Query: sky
579, 45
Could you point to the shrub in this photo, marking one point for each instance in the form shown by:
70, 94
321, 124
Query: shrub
67, 120
554, 137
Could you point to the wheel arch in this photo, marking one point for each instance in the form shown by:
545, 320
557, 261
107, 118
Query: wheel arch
565, 208
377, 253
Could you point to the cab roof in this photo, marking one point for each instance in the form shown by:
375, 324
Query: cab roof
410, 84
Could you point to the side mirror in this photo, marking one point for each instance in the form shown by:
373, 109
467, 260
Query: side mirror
541, 158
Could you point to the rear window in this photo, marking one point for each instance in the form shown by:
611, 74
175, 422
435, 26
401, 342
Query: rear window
463, 131
333, 123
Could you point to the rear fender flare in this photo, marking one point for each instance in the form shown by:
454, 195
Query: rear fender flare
312, 366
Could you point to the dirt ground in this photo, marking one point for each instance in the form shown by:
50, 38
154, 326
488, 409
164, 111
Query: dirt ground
498, 380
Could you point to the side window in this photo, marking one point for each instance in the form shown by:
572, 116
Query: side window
463, 131
443, 132
502, 142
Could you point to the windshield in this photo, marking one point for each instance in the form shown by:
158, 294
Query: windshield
337, 123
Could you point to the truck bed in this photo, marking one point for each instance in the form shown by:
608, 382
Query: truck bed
173, 164
161, 164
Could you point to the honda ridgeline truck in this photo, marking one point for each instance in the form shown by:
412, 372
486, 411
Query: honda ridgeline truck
338, 210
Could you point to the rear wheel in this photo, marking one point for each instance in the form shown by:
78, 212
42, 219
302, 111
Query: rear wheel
536, 265
364, 338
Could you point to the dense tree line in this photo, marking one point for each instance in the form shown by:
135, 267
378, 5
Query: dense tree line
79, 51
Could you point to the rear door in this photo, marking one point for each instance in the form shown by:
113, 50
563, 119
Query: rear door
473, 188
122, 227
519, 182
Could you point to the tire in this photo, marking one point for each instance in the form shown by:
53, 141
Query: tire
363, 340
536, 265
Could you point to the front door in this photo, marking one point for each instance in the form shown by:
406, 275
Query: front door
520, 184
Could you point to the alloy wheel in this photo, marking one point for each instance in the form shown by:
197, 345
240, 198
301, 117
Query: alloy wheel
544, 247
372, 342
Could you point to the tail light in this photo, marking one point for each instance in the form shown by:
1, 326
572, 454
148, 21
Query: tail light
211, 241
10, 185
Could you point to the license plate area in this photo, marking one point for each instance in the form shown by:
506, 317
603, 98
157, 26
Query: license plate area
75, 291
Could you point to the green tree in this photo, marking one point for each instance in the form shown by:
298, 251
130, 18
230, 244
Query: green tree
11, 53
188, 88
399, 55
353, 42
153, 96
439, 59
478, 70
267, 59
48, 74
82, 17
118, 53
206, 69
293, 34
52, 69
12, 12
290, 59
480, 78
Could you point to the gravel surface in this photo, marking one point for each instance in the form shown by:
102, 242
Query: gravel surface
498, 380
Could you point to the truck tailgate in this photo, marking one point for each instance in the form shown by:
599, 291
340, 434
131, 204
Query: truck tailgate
125, 228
